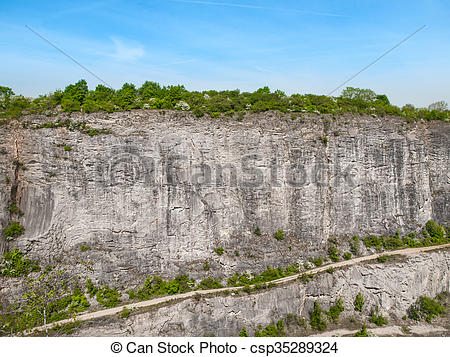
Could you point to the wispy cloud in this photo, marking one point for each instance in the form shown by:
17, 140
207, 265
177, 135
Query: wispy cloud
191, 60
246, 6
127, 50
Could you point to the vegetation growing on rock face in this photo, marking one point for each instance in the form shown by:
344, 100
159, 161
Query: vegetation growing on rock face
431, 234
333, 253
316, 318
267, 275
271, 330
427, 308
243, 332
355, 246
279, 235
210, 283
52, 296
77, 97
158, 286
377, 318
13, 230
362, 333
335, 310
316, 261
108, 297
14, 264
91, 289
359, 302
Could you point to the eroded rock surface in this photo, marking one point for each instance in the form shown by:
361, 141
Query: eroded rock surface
392, 287
164, 189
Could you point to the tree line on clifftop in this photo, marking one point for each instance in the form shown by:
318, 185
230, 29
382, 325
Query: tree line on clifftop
228, 103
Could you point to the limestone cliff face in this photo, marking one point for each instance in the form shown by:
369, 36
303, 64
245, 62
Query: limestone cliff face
160, 192
392, 287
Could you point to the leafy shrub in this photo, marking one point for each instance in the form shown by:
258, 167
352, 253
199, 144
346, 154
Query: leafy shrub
91, 288
206, 266
432, 234
373, 241
347, 255
359, 302
243, 332
67, 148
219, 250
436, 232
125, 313
13, 208
335, 310
257, 231
292, 319
333, 253
425, 308
271, 330
304, 278
157, 286
316, 318
362, 332
377, 318
210, 283
355, 246
317, 261
108, 297
279, 235
267, 275
13, 230
78, 302
14, 264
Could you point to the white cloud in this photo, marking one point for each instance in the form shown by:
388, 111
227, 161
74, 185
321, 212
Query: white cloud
125, 50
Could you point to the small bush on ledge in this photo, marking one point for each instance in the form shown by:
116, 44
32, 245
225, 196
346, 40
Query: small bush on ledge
108, 297
14, 264
13, 230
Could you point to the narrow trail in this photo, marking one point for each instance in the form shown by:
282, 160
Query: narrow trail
153, 302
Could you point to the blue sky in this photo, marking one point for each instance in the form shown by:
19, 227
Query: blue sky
296, 46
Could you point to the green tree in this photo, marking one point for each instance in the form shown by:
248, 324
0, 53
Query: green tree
126, 96
439, 106
5, 94
102, 93
150, 90
77, 91
358, 94
45, 291
382, 99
